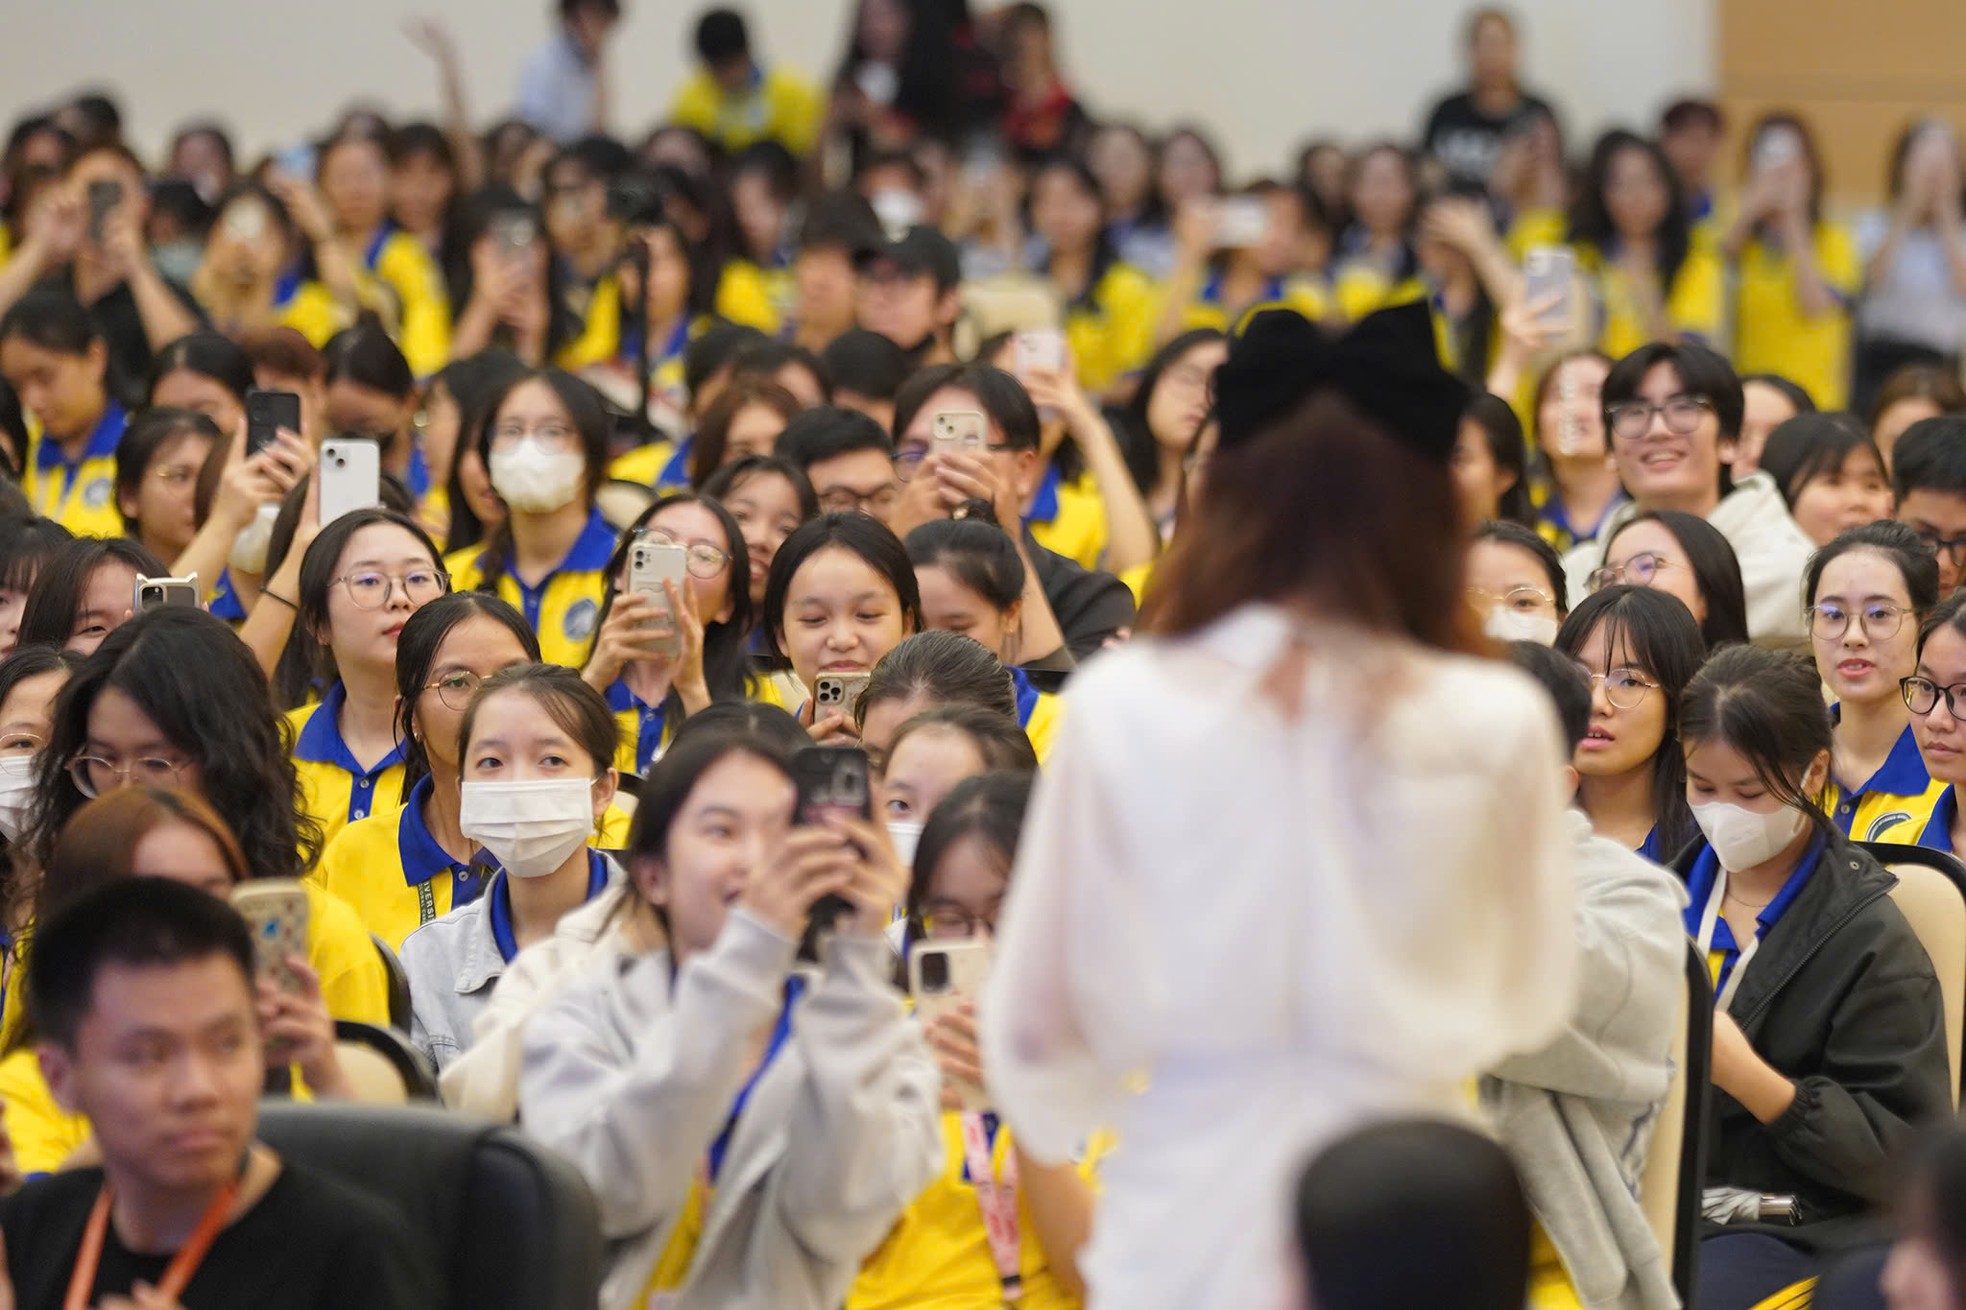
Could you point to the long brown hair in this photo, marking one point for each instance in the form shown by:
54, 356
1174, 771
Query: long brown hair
1328, 508
99, 843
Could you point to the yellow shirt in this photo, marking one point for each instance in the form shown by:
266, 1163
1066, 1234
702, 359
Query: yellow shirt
1532, 228
1772, 334
1900, 793
311, 310
81, 496
777, 105
1111, 331
335, 789
1694, 303
1362, 288
938, 1256
1549, 1283
599, 307
1069, 518
662, 465
755, 296
400, 269
1038, 713
1136, 580
565, 606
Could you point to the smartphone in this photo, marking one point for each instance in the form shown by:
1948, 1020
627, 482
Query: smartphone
275, 909
297, 161
351, 476
104, 196
512, 232
941, 976
959, 431
839, 693
1242, 221
156, 593
1038, 350
832, 781
1776, 146
266, 413
1549, 271
878, 82
652, 562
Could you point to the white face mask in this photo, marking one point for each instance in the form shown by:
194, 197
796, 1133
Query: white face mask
250, 546
906, 837
530, 827
531, 478
16, 793
1744, 838
1505, 624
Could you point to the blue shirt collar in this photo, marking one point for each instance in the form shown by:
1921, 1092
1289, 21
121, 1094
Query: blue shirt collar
372, 252
101, 444
499, 903
286, 288
1044, 505
676, 472
1211, 290
320, 740
1027, 696
422, 856
1902, 773
590, 552
1938, 829
1706, 871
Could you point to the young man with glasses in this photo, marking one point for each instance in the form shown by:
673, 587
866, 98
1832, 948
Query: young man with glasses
1673, 413
1928, 480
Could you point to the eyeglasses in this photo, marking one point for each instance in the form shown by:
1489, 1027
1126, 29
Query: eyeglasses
1953, 548
1626, 689
456, 689
1639, 571
845, 500
371, 590
19, 745
94, 775
1633, 419
176, 475
553, 436
1878, 620
953, 924
1523, 600
1922, 694
705, 561
909, 459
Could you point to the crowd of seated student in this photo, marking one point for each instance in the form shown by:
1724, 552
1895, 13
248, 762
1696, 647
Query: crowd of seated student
766, 337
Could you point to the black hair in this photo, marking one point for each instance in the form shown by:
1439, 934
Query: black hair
422, 637
473, 383
147, 434
576, 708
1702, 373
769, 357
1768, 706
1377, 1195
721, 36
1136, 435
976, 552
1716, 570
744, 718
208, 128
1917, 563
101, 112
1505, 533
989, 807
1932, 1194
865, 537
998, 394
26, 546
1684, 113
13, 430
408, 140
1569, 687
318, 574
999, 739
1655, 633
839, 220
866, 363
1930, 456
475, 215
827, 432
53, 319
590, 419
945, 668
52, 602
204, 691
1811, 445
714, 348
726, 659
722, 484
1590, 219
1104, 252
365, 356
20, 664
930, 88
710, 449
209, 355
134, 922
1502, 431
608, 8
1792, 391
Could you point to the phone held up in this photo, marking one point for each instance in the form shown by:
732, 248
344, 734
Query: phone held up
942, 976
833, 782
266, 413
651, 563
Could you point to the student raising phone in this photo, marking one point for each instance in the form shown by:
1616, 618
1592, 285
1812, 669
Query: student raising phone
749, 1132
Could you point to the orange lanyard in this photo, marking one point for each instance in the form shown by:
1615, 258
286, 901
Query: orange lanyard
182, 1266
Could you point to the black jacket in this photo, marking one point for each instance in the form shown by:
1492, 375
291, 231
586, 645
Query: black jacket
1841, 997
1091, 608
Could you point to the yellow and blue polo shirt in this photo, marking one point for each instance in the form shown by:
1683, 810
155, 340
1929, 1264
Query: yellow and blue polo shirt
498, 902
1771, 332
1038, 713
1934, 831
644, 728
1361, 288
775, 105
1299, 293
1111, 330
79, 495
666, 378
1069, 519
309, 308
565, 607
1724, 949
756, 295
1695, 302
1900, 792
392, 870
335, 789
1553, 523
399, 262
598, 306
662, 466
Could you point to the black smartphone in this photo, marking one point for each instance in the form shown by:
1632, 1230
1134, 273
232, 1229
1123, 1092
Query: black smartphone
832, 780
266, 413
104, 195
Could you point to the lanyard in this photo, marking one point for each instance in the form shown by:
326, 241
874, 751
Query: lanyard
996, 1197
1744, 952
185, 1263
780, 1033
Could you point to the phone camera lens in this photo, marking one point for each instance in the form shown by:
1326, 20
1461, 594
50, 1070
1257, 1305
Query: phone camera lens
935, 972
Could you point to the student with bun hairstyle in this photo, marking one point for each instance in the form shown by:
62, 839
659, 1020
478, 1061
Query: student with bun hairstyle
927, 671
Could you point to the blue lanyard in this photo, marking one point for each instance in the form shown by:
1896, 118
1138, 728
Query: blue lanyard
794, 986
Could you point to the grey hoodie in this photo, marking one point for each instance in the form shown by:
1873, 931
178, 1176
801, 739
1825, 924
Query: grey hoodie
1577, 1117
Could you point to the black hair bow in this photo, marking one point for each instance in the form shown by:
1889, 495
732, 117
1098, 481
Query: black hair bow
1386, 365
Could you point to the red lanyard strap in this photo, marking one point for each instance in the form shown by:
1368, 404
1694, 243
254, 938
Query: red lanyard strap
176, 1275
996, 1197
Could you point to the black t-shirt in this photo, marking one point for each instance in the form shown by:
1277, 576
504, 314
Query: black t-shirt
309, 1244
116, 316
1091, 608
1466, 140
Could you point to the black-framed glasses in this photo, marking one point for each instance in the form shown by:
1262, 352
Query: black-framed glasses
1922, 695
951, 923
704, 561
1626, 689
1639, 571
1879, 619
370, 589
1632, 419
94, 775
845, 500
1953, 548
